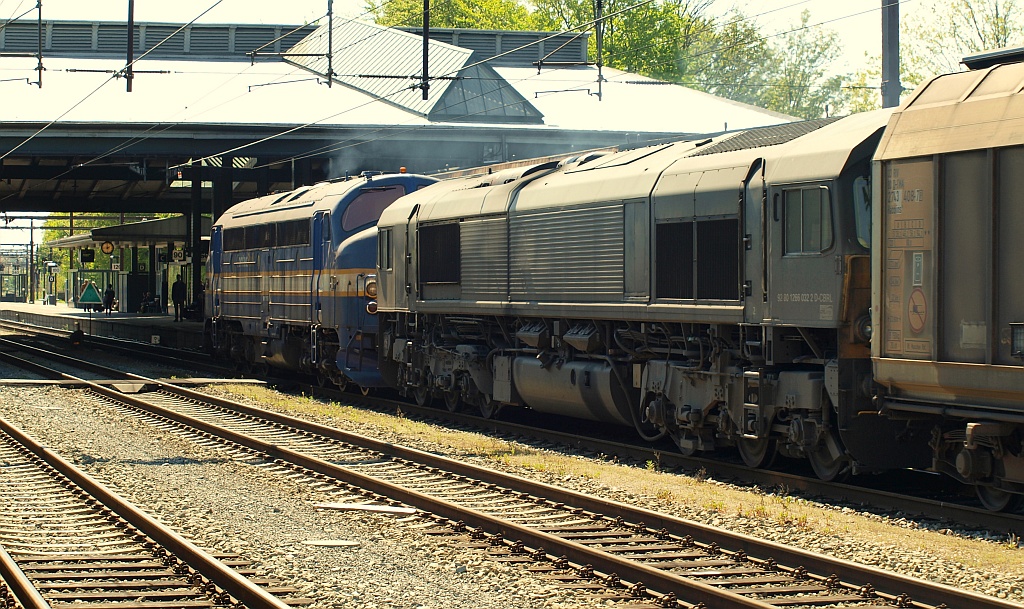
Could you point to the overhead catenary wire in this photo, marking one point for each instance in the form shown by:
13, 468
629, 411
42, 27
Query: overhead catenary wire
105, 82
155, 129
414, 127
346, 144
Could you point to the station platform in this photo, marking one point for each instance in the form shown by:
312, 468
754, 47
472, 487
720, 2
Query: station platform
152, 328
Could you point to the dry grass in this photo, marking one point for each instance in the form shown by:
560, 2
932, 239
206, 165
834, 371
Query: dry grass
676, 494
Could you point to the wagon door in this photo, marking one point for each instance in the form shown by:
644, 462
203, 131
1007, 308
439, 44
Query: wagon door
804, 273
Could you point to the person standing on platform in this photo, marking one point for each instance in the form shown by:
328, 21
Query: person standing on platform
178, 297
108, 299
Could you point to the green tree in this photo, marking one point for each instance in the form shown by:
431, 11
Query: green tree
728, 59
671, 40
798, 82
474, 14
934, 40
649, 38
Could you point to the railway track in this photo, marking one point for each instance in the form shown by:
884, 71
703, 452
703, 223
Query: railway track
905, 494
597, 546
909, 495
863, 493
67, 541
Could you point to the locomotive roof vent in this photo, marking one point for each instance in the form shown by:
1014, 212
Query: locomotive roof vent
369, 174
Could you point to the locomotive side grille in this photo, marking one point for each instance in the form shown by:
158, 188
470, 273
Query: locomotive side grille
240, 290
440, 253
484, 259
718, 260
574, 255
674, 259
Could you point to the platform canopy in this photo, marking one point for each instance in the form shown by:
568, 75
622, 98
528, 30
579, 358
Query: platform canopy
157, 233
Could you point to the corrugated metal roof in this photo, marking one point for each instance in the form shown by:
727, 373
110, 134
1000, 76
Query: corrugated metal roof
384, 62
388, 64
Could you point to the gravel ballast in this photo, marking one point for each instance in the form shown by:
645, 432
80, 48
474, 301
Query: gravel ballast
230, 506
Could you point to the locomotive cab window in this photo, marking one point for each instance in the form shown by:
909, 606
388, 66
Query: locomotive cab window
862, 210
369, 205
808, 219
384, 249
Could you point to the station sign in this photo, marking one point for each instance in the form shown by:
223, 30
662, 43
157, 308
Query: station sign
90, 295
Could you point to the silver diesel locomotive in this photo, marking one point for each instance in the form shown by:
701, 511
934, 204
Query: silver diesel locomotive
723, 292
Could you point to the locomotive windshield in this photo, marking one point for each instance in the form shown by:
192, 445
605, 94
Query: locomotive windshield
368, 206
862, 210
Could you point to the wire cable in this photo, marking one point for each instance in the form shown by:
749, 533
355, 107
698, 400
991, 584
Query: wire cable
105, 82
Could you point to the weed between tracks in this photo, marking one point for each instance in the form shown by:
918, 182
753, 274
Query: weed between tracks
694, 496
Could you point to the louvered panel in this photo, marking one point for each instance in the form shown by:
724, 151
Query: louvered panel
486, 43
249, 39
561, 49
445, 36
519, 48
573, 255
485, 259
71, 39
20, 37
290, 40
155, 34
112, 38
204, 40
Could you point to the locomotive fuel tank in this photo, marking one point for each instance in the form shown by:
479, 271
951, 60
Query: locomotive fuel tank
581, 389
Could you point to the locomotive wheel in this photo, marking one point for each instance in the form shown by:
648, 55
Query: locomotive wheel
826, 466
759, 453
323, 380
365, 391
998, 500
452, 400
488, 406
685, 441
422, 396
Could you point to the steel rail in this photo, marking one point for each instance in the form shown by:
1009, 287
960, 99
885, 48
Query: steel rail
852, 574
849, 573
19, 584
844, 492
230, 581
963, 515
656, 579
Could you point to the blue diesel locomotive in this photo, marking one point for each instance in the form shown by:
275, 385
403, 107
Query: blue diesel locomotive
290, 278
